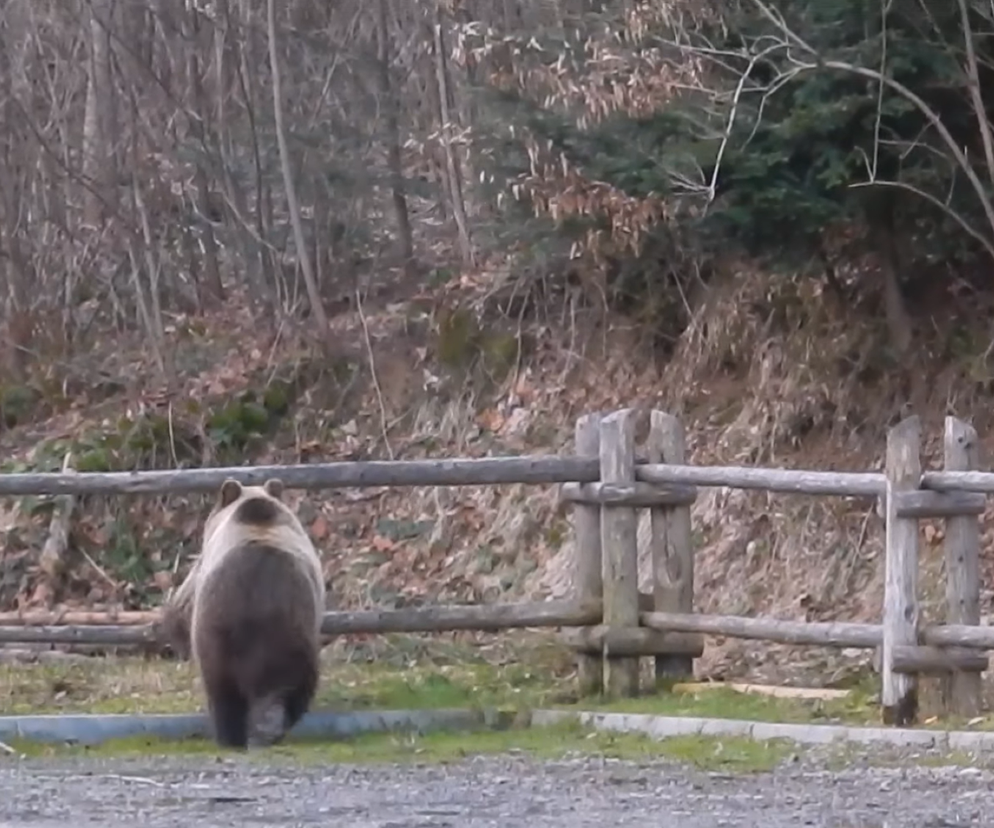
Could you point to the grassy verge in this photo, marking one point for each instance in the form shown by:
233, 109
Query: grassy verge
399, 672
728, 754
412, 672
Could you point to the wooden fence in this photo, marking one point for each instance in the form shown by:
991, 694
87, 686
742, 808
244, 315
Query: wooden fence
608, 622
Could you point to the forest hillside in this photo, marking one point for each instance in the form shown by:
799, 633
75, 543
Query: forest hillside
238, 233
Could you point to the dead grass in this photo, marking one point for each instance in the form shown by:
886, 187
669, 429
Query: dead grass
388, 672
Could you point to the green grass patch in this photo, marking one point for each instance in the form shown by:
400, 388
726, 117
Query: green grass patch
730, 754
859, 707
420, 672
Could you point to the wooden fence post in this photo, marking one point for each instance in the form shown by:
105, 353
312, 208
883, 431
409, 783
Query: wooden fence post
588, 584
961, 691
672, 544
899, 696
619, 549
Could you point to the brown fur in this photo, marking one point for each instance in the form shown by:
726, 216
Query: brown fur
253, 614
173, 627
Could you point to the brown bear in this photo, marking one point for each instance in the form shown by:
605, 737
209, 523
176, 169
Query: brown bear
251, 610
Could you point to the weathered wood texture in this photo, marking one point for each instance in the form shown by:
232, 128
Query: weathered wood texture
959, 481
961, 689
588, 583
52, 561
606, 482
107, 634
633, 641
672, 544
926, 504
486, 471
641, 495
449, 618
80, 618
899, 694
817, 633
619, 548
936, 661
959, 635
785, 481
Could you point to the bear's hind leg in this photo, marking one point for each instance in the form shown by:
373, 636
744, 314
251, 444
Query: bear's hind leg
230, 714
298, 699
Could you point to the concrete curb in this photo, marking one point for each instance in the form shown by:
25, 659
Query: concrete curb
92, 729
662, 727
89, 729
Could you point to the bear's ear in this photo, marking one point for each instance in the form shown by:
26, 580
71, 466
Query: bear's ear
274, 487
231, 490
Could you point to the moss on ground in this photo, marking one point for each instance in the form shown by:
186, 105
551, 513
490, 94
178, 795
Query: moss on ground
732, 754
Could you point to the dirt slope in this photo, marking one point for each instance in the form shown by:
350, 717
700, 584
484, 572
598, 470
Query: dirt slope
768, 373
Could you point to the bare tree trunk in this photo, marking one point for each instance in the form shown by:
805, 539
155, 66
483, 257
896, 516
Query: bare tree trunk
263, 206
16, 277
899, 324
303, 255
227, 75
98, 125
150, 310
394, 160
451, 162
20, 316
215, 290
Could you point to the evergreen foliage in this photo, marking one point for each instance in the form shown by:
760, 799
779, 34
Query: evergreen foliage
800, 141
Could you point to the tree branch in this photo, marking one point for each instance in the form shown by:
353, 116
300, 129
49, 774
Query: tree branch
904, 92
945, 208
973, 74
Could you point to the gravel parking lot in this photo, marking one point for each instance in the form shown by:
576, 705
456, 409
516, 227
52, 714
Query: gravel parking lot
509, 791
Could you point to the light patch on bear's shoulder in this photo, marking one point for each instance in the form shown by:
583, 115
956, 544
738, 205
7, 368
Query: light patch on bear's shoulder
224, 532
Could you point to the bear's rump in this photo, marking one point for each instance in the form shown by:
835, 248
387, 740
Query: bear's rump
256, 620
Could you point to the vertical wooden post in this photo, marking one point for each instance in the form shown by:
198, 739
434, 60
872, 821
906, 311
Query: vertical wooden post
961, 691
588, 584
672, 545
619, 548
899, 696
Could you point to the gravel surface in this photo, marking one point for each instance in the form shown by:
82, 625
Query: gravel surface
509, 791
